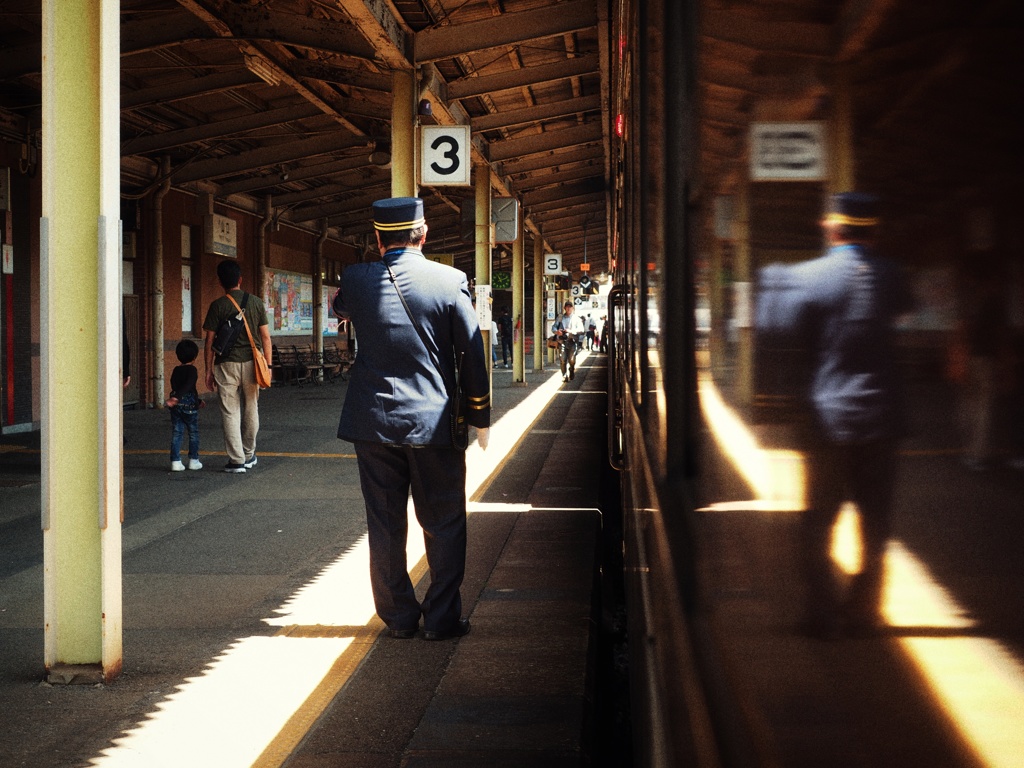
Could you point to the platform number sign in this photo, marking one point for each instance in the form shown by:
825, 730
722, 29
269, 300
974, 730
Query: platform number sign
444, 153
553, 264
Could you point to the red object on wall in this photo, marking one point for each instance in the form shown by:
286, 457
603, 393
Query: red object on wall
9, 347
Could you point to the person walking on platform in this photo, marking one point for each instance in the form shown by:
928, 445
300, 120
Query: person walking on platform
569, 330
840, 310
233, 375
416, 323
505, 331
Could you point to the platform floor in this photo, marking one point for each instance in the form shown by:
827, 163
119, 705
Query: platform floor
249, 632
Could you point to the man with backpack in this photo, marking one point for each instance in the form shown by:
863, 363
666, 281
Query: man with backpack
231, 373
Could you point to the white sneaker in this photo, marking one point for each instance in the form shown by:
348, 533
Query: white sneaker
250, 462
177, 466
195, 464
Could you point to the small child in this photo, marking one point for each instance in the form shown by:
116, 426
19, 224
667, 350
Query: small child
184, 404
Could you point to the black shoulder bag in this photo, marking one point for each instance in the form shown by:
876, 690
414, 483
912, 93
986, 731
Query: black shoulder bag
459, 401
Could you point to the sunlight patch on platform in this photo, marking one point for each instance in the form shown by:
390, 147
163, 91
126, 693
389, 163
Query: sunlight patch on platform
254, 703
228, 715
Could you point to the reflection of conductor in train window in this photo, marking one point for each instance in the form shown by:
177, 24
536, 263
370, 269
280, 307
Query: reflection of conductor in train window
840, 308
569, 330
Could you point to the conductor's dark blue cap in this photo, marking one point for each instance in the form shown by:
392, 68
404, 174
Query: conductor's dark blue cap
398, 213
853, 209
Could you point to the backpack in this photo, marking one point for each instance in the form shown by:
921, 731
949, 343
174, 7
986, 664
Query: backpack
229, 330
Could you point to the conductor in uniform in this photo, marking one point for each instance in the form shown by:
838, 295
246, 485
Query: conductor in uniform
840, 310
397, 414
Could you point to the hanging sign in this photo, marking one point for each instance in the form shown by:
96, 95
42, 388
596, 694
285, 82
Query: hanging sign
787, 151
505, 217
220, 235
553, 264
444, 150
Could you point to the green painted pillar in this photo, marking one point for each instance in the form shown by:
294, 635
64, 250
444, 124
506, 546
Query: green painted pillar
80, 275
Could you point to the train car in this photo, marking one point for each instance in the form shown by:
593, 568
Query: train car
732, 124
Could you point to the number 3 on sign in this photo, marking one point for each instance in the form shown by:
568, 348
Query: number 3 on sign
444, 150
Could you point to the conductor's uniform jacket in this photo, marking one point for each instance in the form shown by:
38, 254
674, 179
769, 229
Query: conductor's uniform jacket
396, 392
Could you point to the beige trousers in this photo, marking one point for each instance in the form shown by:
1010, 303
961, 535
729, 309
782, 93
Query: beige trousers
239, 397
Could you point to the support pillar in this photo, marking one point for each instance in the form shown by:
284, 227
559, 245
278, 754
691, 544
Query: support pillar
403, 134
742, 296
318, 290
80, 267
540, 326
842, 175
482, 184
157, 290
518, 325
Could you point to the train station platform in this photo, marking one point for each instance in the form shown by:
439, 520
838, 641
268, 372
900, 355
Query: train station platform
250, 638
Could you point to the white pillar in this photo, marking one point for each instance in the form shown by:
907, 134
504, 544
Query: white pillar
540, 325
80, 274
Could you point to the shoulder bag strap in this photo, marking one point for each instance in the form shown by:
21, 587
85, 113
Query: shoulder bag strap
252, 341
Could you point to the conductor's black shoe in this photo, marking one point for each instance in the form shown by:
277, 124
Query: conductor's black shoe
461, 628
402, 634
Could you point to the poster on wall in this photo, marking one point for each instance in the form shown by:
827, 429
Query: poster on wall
289, 300
330, 320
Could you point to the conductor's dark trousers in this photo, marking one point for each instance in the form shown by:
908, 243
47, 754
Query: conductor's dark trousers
437, 478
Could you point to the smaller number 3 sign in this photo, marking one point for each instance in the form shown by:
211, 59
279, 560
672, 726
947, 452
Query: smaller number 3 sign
444, 150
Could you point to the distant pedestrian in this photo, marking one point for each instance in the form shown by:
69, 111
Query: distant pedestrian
184, 404
505, 331
570, 330
840, 310
495, 333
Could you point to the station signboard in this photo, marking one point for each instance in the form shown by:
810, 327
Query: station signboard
787, 151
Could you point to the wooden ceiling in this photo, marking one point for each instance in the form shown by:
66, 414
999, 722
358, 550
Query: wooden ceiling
287, 102
291, 99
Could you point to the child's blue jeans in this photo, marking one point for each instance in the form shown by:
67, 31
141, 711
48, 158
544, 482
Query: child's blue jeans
180, 420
